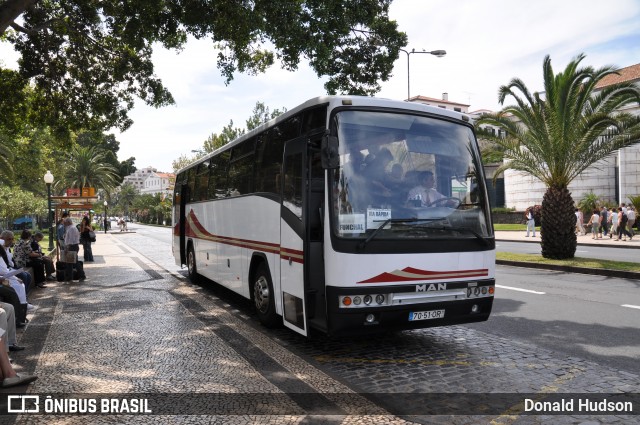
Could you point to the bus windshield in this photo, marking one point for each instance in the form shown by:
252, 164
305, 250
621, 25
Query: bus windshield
405, 176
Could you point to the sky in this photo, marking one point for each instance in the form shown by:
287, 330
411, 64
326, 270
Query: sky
488, 43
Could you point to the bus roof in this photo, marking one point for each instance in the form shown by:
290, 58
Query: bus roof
334, 102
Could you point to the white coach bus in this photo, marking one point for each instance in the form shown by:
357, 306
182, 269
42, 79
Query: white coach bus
345, 215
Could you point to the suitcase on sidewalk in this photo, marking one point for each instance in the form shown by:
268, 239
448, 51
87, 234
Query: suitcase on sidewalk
60, 266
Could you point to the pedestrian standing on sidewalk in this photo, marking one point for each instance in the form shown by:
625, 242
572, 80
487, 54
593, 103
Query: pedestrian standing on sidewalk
631, 219
579, 222
60, 231
603, 222
72, 244
594, 222
622, 225
85, 239
613, 221
531, 223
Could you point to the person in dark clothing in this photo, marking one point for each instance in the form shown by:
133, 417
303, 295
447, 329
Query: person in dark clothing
48, 262
85, 239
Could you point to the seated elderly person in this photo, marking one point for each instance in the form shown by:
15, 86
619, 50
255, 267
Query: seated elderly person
8, 324
16, 283
25, 256
6, 242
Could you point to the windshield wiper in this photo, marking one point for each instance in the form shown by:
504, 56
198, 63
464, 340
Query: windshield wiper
465, 229
364, 243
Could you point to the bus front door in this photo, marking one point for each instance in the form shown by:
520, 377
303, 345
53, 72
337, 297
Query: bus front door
292, 186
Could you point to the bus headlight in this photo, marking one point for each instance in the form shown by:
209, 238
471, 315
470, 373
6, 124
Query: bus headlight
367, 299
380, 299
357, 300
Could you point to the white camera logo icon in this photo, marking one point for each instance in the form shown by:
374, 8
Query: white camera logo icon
23, 404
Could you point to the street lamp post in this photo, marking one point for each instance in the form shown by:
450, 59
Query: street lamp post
48, 179
106, 220
438, 53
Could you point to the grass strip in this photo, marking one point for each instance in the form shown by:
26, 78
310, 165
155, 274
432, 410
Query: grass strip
500, 226
592, 263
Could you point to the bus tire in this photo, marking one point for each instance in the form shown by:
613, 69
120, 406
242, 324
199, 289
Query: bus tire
263, 296
192, 268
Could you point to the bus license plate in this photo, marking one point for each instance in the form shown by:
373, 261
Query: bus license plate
426, 315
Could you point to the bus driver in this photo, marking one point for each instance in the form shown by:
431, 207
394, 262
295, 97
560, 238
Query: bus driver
424, 194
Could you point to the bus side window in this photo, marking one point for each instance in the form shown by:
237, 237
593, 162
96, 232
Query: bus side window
218, 176
202, 181
271, 160
191, 182
292, 184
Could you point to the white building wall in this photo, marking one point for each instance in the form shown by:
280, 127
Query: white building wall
523, 190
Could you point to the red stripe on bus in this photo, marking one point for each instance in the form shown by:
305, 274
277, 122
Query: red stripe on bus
424, 275
269, 247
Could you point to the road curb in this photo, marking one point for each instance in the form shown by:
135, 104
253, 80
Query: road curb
570, 269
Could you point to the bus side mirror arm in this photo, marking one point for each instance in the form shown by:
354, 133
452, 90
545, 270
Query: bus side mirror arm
330, 154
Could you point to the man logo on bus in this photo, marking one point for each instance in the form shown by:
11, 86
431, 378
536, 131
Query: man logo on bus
431, 287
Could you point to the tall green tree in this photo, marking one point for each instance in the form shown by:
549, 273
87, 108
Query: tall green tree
15, 202
89, 60
87, 167
557, 136
126, 196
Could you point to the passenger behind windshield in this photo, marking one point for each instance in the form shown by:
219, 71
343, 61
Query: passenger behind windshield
376, 175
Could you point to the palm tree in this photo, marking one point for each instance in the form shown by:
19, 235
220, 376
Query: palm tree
556, 137
89, 168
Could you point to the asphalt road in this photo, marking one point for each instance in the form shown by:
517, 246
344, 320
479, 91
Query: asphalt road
591, 317
584, 251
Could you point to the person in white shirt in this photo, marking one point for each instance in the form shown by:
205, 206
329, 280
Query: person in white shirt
631, 219
16, 283
594, 222
531, 222
6, 242
72, 244
424, 194
613, 220
579, 222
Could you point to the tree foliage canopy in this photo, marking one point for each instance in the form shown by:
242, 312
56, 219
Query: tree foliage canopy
558, 135
90, 60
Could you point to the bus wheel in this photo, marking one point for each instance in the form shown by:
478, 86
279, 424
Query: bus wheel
263, 296
191, 265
